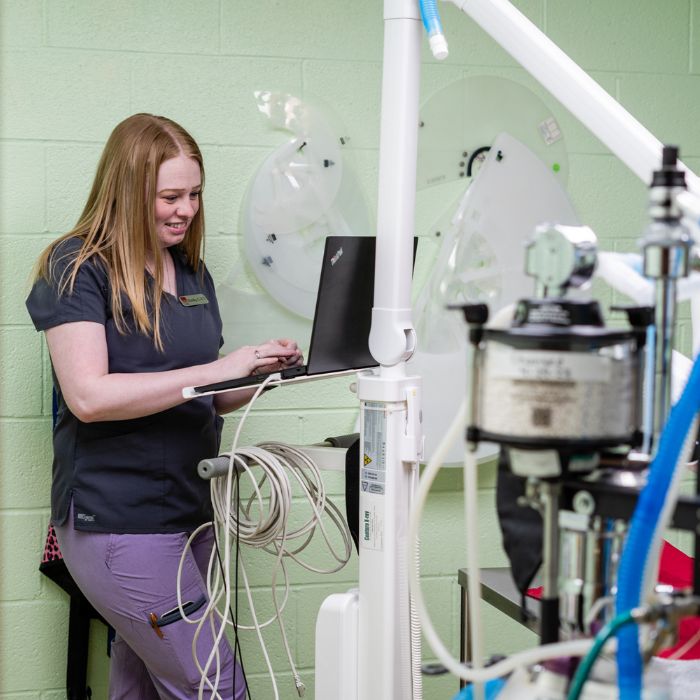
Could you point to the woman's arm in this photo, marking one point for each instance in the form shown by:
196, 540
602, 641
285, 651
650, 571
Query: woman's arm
79, 355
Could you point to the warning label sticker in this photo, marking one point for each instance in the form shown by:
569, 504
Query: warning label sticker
372, 479
372, 475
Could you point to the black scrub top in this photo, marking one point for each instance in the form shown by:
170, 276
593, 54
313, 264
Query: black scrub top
137, 475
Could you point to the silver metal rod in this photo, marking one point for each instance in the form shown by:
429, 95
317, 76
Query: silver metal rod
550, 544
665, 322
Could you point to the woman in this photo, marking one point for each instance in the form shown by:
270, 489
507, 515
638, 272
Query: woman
130, 317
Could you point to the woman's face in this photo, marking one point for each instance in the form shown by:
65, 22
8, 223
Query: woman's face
178, 190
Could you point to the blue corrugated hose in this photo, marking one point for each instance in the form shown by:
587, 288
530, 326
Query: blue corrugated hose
644, 522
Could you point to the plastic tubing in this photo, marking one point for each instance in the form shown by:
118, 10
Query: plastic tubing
584, 669
471, 521
576, 647
433, 27
643, 529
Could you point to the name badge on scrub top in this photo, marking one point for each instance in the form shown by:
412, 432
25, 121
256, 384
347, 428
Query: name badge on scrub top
193, 299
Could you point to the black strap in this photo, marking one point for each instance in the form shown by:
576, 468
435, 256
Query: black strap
78, 642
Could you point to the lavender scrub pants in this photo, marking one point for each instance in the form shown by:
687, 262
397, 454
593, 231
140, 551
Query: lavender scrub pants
129, 577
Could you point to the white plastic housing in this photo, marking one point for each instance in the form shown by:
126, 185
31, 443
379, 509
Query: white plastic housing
337, 646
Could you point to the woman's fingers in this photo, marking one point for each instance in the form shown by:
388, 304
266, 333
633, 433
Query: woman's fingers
273, 355
276, 348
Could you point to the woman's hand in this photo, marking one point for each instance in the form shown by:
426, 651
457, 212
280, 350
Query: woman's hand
293, 360
272, 356
269, 356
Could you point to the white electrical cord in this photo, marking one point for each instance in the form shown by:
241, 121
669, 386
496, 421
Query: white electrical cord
606, 603
471, 523
215, 585
577, 647
262, 521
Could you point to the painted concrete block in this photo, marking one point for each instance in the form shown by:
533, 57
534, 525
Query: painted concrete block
311, 31
216, 206
18, 254
502, 634
159, 27
26, 457
20, 372
608, 197
317, 426
666, 105
221, 109
70, 171
630, 35
23, 188
442, 602
323, 393
222, 259
40, 103
21, 24
695, 36
47, 391
443, 526
283, 427
24, 579
42, 647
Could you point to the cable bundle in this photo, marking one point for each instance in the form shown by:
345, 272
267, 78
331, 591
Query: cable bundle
262, 521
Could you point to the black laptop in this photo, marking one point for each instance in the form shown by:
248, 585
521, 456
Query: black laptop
342, 320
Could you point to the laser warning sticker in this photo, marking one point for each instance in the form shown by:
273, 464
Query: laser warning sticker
373, 472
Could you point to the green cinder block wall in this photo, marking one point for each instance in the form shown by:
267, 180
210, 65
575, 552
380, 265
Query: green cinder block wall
71, 69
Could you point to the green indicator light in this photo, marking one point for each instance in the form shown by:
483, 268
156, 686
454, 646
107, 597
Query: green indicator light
556, 167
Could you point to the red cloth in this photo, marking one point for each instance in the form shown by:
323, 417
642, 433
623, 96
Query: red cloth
676, 569
535, 592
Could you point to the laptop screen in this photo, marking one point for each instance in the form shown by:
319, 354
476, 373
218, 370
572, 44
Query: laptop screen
343, 318
340, 336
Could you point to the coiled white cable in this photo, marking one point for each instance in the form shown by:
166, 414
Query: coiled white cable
262, 521
216, 587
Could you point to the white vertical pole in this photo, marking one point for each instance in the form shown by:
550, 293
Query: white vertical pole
391, 338
391, 436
